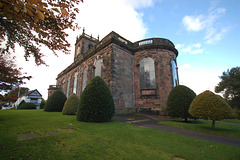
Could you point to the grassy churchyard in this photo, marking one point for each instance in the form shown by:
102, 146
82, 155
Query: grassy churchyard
34, 134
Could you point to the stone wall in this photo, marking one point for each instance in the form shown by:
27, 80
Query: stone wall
163, 76
122, 74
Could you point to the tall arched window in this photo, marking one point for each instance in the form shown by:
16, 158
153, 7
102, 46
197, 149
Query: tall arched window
75, 83
147, 74
98, 68
63, 85
84, 78
174, 73
68, 85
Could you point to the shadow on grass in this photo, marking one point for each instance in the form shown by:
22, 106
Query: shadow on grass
188, 122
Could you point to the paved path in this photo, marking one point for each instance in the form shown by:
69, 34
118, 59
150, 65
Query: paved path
151, 122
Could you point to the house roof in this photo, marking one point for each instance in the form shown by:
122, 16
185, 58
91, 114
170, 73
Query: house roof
32, 91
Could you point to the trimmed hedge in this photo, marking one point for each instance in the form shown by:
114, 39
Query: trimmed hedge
210, 106
42, 104
71, 105
55, 102
96, 102
179, 100
27, 106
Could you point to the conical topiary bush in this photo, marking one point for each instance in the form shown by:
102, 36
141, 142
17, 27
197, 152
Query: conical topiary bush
55, 102
96, 102
71, 105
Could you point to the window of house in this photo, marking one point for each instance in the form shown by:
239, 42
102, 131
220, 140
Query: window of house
68, 85
174, 73
98, 68
33, 100
84, 78
147, 74
75, 83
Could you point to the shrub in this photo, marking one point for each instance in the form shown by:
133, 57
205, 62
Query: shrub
96, 102
22, 102
210, 106
27, 106
71, 105
55, 102
42, 104
179, 100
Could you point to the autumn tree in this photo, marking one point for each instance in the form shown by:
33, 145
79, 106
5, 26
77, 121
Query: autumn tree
230, 86
13, 95
36, 23
10, 76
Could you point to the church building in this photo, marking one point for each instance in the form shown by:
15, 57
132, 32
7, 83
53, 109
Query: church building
140, 75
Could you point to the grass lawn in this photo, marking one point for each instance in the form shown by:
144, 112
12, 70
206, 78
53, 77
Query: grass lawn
232, 120
205, 126
112, 140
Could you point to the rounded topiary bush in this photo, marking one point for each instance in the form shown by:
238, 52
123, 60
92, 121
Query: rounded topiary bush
179, 100
210, 106
71, 105
55, 102
96, 102
27, 106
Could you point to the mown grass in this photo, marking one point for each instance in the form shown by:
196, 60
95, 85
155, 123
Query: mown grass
232, 120
205, 126
112, 140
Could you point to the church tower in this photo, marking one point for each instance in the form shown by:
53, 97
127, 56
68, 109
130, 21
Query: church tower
83, 44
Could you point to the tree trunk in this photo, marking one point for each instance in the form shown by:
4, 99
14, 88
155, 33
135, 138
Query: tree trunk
213, 124
185, 119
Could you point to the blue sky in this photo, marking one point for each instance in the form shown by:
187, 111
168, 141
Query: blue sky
206, 34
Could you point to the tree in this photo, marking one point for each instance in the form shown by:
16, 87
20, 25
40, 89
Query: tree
179, 100
36, 23
96, 102
10, 76
230, 86
71, 105
55, 102
13, 95
210, 106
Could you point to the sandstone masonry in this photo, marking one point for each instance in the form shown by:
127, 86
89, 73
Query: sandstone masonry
139, 75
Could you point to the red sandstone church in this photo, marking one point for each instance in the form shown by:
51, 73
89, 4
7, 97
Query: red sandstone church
140, 75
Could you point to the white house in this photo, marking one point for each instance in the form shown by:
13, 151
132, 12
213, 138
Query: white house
31, 97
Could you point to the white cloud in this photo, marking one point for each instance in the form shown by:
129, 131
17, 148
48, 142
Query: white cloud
190, 49
199, 80
213, 37
102, 17
184, 67
207, 23
139, 3
194, 23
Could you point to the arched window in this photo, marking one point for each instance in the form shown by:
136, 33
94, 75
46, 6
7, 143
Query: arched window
98, 68
84, 78
90, 46
75, 83
68, 85
174, 73
147, 74
63, 85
